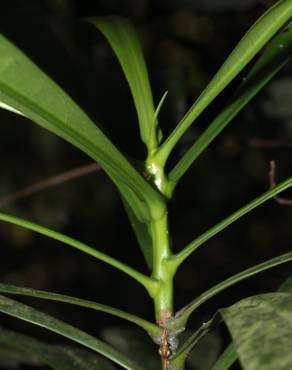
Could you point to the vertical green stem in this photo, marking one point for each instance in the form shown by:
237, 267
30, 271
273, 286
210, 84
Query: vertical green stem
163, 272
163, 298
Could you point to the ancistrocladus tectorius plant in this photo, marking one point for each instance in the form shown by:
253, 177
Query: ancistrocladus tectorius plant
146, 192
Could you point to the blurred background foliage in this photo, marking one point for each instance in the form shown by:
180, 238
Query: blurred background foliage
185, 42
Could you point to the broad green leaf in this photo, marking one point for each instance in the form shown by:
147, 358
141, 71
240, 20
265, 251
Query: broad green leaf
227, 359
261, 330
30, 351
184, 314
275, 55
177, 259
153, 330
123, 39
146, 281
25, 88
252, 42
33, 316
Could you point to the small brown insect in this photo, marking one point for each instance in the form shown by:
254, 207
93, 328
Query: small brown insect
164, 349
147, 176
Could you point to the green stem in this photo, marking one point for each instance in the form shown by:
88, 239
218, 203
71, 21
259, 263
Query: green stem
163, 298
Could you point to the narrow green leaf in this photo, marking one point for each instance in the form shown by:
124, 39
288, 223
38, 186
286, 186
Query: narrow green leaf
275, 55
261, 329
252, 42
177, 259
33, 316
123, 39
31, 351
183, 315
286, 286
141, 231
26, 89
227, 359
177, 361
146, 281
153, 330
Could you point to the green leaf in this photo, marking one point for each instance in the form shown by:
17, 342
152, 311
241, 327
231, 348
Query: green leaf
144, 280
261, 329
205, 353
134, 344
275, 55
153, 330
183, 315
143, 236
30, 351
286, 286
123, 39
25, 88
227, 359
177, 259
33, 316
178, 359
252, 42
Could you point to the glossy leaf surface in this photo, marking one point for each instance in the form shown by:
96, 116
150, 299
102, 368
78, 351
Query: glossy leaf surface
261, 328
25, 88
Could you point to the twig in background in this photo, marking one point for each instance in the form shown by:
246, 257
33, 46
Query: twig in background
272, 177
49, 182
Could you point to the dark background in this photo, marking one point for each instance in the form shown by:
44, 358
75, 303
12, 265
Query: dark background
184, 42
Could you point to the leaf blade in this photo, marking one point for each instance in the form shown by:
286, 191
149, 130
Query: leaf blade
56, 356
251, 43
177, 259
33, 316
184, 314
261, 328
26, 89
227, 359
153, 330
146, 281
275, 55
123, 39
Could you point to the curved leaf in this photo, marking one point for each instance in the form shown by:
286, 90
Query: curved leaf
31, 351
123, 39
33, 316
261, 329
251, 43
153, 330
183, 315
227, 359
177, 259
275, 55
146, 281
25, 88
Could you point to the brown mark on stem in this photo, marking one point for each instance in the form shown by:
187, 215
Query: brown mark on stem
165, 348
273, 183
